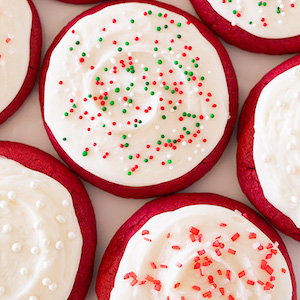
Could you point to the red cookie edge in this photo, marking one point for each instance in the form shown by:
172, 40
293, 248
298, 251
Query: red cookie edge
40, 161
240, 38
188, 178
33, 67
114, 252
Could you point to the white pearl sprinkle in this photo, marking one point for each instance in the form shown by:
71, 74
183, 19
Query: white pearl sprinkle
3, 204
65, 203
46, 281
295, 199
60, 219
11, 195
39, 204
45, 242
34, 184
190, 158
24, 271
16, 247
7, 228
265, 158
53, 287
37, 225
34, 250
59, 245
71, 235
33, 298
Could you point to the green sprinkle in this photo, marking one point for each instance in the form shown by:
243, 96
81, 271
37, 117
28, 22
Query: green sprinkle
193, 116
126, 145
84, 153
131, 84
184, 114
163, 117
146, 69
132, 21
193, 60
169, 161
149, 12
117, 90
162, 136
167, 87
155, 49
147, 83
120, 49
64, 138
234, 12
104, 108
179, 36
105, 97
158, 28
166, 26
124, 136
129, 173
100, 39
105, 69
196, 65
197, 124
173, 91
175, 62
159, 14
179, 24
185, 72
127, 88
74, 105
152, 93
124, 111
159, 61
146, 160
170, 48
112, 102
77, 42
97, 78
184, 128
180, 66
158, 142
212, 116
127, 43
71, 48
130, 157
188, 132
66, 114
90, 95
145, 88
202, 78
191, 73
83, 54
130, 101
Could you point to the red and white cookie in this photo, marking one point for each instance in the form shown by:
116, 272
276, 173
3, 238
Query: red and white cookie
270, 27
47, 227
140, 103
194, 246
268, 149
20, 53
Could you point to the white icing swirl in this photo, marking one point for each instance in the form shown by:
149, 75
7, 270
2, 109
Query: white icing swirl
201, 251
39, 260
267, 19
142, 88
15, 24
277, 138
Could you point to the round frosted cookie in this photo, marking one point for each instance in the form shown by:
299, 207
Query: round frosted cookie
256, 26
20, 53
135, 104
192, 246
268, 148
47, 227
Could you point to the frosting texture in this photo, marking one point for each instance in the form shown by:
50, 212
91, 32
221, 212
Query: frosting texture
201, 251
144, 90
40, 238
15, 24
276, 148
267, 19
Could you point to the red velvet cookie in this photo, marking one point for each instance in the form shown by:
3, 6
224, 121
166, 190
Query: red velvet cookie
187, 246
260, 27
258, 153
20, 54
48, 236
153, 106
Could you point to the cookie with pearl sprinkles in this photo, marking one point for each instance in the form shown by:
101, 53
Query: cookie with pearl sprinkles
47, 227
270, 27
268, 149
139, 98
196, 246
20, 53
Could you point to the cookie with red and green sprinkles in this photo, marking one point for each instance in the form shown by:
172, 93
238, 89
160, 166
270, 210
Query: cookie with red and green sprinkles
48, 227
196, 246
20, 53
268, 152
134, 103
270, 27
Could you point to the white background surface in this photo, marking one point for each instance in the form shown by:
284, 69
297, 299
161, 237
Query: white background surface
111, 212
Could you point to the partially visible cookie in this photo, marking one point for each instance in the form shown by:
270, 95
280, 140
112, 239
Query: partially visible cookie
192, 246
256, 26
47, 227
81, 1
20, 53
149, 90
268, 147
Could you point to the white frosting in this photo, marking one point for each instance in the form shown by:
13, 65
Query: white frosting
231, 257
176, 100
267, 19
15, 24
40, 239
276, 148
